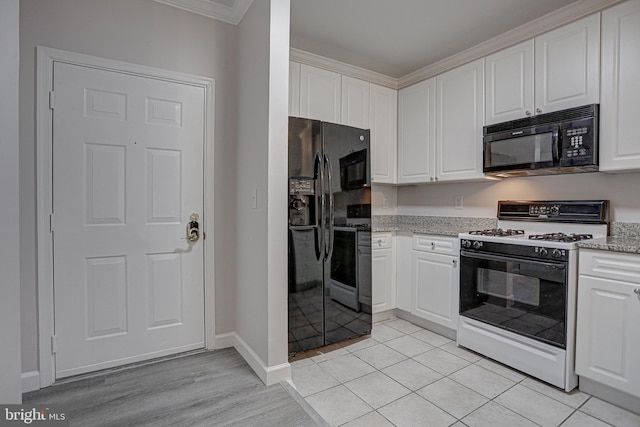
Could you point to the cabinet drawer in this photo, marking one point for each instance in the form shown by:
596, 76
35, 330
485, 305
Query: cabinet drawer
381, 240
436, 244
364, 238
610, 265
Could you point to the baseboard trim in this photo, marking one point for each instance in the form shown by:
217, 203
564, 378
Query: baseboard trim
225, 340
30, 381
268, 374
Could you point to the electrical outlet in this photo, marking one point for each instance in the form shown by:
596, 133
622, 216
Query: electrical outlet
458, 202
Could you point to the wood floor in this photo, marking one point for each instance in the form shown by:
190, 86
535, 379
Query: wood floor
204, 389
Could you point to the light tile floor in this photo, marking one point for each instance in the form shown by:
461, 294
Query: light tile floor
408, 376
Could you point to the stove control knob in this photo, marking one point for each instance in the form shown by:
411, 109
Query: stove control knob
556, 253
477, 245
466, 244
543, 252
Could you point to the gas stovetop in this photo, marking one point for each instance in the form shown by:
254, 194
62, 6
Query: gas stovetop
555, 224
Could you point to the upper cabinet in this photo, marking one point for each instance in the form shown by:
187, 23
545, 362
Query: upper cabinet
355, 102
383, 115
460, 118
417, 132
555, 71
294, 89
440, 127
509, 83
320, 94
619, 144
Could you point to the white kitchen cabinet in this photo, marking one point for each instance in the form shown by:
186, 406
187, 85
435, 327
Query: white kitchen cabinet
554, 71
294, 89
383, 115
607, 343
320, 94
619, 142
509, 83
435, 279
417, 132
383, 271
567, 66
460, 118
404, 283
355, 102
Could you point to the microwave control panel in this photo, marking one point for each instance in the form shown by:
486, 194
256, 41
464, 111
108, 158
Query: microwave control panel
578, 142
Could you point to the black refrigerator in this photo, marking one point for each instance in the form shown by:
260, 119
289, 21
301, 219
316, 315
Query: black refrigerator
329, 233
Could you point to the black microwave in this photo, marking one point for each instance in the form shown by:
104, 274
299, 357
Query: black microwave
554, 143
354, 171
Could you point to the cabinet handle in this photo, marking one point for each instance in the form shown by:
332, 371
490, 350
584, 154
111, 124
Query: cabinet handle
636, 291
430, 178
455, 262
527, 113
538, 110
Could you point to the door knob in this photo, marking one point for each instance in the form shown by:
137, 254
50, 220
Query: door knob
193, 228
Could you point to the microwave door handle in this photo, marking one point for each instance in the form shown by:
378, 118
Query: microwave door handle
555, 149
330, 207
319, 229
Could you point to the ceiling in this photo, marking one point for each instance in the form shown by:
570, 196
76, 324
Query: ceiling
397, 37
390, 37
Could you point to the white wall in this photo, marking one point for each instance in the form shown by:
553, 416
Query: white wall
141, 32
263, 58
10, 383
480, 199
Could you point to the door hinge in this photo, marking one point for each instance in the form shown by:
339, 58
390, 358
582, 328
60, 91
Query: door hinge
52, 99
54, 344
52, 224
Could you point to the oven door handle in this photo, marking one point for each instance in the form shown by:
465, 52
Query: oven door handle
489, 257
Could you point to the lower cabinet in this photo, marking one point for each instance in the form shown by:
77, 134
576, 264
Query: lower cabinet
383, 269
435, 279
607, 337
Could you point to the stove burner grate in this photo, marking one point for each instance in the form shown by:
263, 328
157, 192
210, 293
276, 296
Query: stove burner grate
497, 232
561, 237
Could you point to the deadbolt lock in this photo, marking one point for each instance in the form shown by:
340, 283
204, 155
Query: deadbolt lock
193, 228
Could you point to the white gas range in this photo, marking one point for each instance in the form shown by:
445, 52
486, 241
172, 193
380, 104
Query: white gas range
518, 285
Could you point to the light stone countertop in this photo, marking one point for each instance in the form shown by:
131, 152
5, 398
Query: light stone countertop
613, 243
434, 229
435, 225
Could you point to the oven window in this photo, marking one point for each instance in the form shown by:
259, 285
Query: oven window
510, 286
523, 296
343, 261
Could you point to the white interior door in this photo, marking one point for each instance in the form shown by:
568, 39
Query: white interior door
127, 174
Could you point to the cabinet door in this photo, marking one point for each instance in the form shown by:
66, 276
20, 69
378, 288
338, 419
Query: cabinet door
404, 263
416, 132
509, 84
383, 283
619, 147
355, 102
567, 71
320, 94
435, 288
364, 275
383, 115
294, 89
460, 120
607, 343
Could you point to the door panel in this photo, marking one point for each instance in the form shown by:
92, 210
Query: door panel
127, 174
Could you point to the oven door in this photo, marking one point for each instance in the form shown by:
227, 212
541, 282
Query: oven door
524, 296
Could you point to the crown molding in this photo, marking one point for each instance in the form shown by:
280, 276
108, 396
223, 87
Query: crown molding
342, 68
538, 26
209, 8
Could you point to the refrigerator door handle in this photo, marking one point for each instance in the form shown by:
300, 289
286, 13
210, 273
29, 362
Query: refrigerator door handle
319, 229
329, 250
